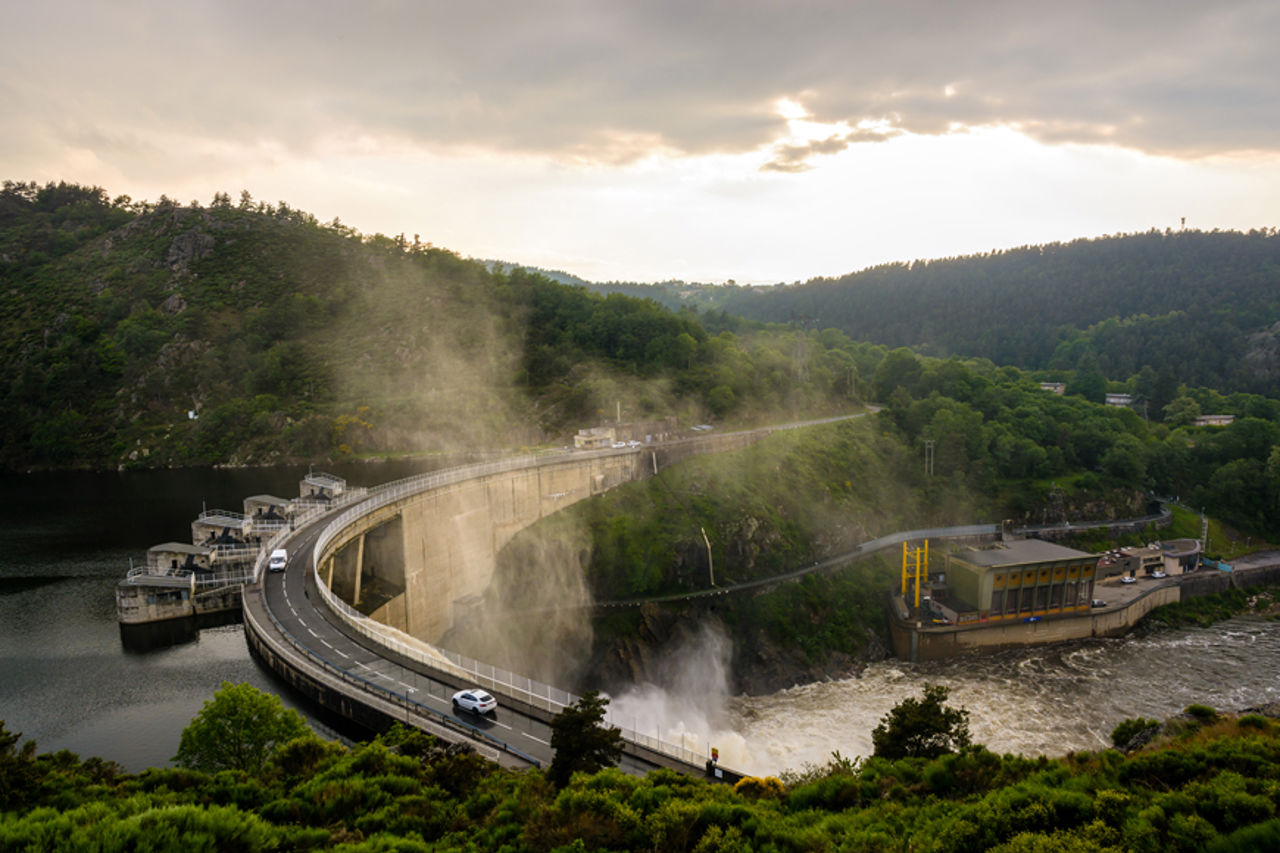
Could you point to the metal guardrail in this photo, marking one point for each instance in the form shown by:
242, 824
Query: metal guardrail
141, 577
401, 699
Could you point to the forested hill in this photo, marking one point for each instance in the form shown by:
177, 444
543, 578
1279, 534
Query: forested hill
140, 333
1205, 303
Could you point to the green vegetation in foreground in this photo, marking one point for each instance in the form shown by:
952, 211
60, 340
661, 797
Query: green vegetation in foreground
1203, 781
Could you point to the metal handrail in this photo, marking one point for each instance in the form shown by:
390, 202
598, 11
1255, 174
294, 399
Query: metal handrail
220, 513
402, 698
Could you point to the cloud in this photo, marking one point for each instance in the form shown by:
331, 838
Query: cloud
580, 81
794, 157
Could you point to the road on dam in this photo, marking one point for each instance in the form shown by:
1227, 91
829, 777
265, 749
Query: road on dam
290, 598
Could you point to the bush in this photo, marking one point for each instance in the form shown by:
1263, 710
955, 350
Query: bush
1255, 721
1129, 730
756, 787
1203, 713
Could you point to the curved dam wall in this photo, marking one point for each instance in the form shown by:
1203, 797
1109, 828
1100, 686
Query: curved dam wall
409, 561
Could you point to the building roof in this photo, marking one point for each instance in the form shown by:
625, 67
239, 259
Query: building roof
179, 548
1020, 551
266, 499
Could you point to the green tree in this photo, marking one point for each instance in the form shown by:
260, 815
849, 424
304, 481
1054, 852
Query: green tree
581, 741
1181, 411
922, 728
899, 369
238, 729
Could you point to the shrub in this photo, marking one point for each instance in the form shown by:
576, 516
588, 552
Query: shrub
755, 787
1203, 713
1129, 730
1255, 721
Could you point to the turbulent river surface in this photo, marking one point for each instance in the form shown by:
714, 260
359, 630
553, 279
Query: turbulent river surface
1047, 701
67, 680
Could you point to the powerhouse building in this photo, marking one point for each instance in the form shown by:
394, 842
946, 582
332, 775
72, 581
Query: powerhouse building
1020, 579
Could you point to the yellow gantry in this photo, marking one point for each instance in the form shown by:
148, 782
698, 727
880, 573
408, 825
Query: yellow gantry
919, 561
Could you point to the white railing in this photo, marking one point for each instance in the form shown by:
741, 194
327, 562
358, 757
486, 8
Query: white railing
534, 693
139, 576
220, 513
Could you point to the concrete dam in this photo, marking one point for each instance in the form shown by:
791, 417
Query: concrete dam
414, 554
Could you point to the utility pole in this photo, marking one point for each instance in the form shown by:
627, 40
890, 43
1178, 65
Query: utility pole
711, 567
928, 457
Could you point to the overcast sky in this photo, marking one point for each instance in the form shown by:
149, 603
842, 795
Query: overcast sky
644, 140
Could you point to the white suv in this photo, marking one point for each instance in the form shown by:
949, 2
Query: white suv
474, 700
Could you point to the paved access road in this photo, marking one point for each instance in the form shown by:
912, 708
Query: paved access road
289, 596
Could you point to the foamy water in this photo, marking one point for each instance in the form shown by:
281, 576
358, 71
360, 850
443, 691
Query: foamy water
1047, 701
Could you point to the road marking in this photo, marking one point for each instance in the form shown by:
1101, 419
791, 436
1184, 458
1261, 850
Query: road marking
313, 633
300, 622
344, 654
325, 643
504, 725
538, 739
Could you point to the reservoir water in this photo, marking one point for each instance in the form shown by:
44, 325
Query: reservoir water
68, 682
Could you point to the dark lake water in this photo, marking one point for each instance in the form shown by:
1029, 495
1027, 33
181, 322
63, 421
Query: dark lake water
67, 680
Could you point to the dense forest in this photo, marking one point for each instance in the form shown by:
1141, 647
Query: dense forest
141, 333
1201, 305
1203, 780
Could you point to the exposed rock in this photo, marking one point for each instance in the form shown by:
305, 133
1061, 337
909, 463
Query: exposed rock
187, 247
175, 353
175, 304
1263, 353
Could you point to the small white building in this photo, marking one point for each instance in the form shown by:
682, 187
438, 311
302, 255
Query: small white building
1119, 399
594, 438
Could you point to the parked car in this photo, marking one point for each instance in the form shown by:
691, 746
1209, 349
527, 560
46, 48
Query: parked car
475, 700
1159, 575
1128, 579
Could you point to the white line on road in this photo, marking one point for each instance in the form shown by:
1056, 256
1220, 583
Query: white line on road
538, 739
300, 622
313, 633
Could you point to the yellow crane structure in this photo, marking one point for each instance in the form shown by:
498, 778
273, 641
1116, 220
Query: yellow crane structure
917, 561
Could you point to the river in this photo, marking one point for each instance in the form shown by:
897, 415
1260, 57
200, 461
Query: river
67, 681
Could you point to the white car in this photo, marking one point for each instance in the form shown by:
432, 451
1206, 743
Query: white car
1159, 575
474, 700
278, 560
1128, 579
